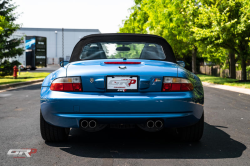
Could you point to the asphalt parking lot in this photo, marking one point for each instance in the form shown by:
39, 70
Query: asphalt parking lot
225, 140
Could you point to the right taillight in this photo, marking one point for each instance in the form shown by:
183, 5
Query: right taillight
171, 84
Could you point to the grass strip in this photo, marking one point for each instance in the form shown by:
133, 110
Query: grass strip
23, 77
223, 81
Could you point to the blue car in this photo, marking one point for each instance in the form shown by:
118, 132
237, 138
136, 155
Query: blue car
122, 81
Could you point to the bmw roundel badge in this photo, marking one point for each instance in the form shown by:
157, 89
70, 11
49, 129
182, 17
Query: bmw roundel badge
122, 67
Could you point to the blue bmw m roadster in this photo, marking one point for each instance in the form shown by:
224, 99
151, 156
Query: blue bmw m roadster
122, 81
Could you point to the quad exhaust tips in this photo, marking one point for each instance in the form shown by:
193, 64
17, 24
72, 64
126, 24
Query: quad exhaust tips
92, 124
84, 124
88, 124
157, 124
150, 124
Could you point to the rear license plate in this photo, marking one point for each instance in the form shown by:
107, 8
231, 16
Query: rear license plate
122, 83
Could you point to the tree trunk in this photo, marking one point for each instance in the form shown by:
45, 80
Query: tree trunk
194, 53
243, 68
232, 68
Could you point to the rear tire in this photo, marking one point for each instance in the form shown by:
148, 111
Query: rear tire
52, 133
194, 132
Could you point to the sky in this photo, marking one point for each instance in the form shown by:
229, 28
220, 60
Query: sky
105, 15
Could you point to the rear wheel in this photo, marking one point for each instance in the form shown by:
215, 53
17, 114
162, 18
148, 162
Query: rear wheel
194, 132
52, 133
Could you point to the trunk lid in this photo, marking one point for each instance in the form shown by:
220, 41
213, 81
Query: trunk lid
94, 73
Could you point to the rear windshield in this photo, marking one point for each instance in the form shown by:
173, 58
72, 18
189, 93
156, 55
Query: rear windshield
120, 50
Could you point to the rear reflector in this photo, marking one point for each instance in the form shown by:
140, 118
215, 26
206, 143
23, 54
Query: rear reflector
68, 84
171, 84
122, 62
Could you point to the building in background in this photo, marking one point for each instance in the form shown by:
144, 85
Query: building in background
21, 58
60, 42
36, 52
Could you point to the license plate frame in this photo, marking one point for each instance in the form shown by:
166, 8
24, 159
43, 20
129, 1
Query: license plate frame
123, 85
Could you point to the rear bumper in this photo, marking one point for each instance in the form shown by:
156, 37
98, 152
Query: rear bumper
68, 109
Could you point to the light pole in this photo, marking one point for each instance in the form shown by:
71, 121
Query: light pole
62, 44
56, 43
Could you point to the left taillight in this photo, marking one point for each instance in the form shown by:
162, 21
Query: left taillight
172, 84
67, 84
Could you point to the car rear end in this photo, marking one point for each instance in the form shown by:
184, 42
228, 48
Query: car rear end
153, 95
96, 93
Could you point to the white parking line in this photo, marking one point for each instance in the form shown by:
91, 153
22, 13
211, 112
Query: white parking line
229, 88
20, 87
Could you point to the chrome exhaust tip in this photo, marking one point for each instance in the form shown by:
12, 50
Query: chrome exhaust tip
158, 124
150, 124
84, 124
92, 124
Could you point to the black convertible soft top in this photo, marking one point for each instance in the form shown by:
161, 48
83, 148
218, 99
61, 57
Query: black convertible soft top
123, 37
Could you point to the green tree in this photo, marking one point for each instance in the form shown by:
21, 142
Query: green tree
169, 19
225, 24
216, 29
3, 23
136, 21
8, 48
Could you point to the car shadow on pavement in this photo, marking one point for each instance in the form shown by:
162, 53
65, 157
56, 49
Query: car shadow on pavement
135, 143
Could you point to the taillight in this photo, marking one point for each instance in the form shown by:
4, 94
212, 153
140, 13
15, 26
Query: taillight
171, 84
69, 84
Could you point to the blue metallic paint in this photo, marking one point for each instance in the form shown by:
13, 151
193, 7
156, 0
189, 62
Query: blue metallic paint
61, 72
177, 109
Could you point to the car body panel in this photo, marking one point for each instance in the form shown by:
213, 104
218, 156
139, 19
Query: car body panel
119, 107
147, 72
198, 91
61, 72
66, 109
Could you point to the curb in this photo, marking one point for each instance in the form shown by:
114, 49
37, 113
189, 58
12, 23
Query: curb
227, 87
7, 86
